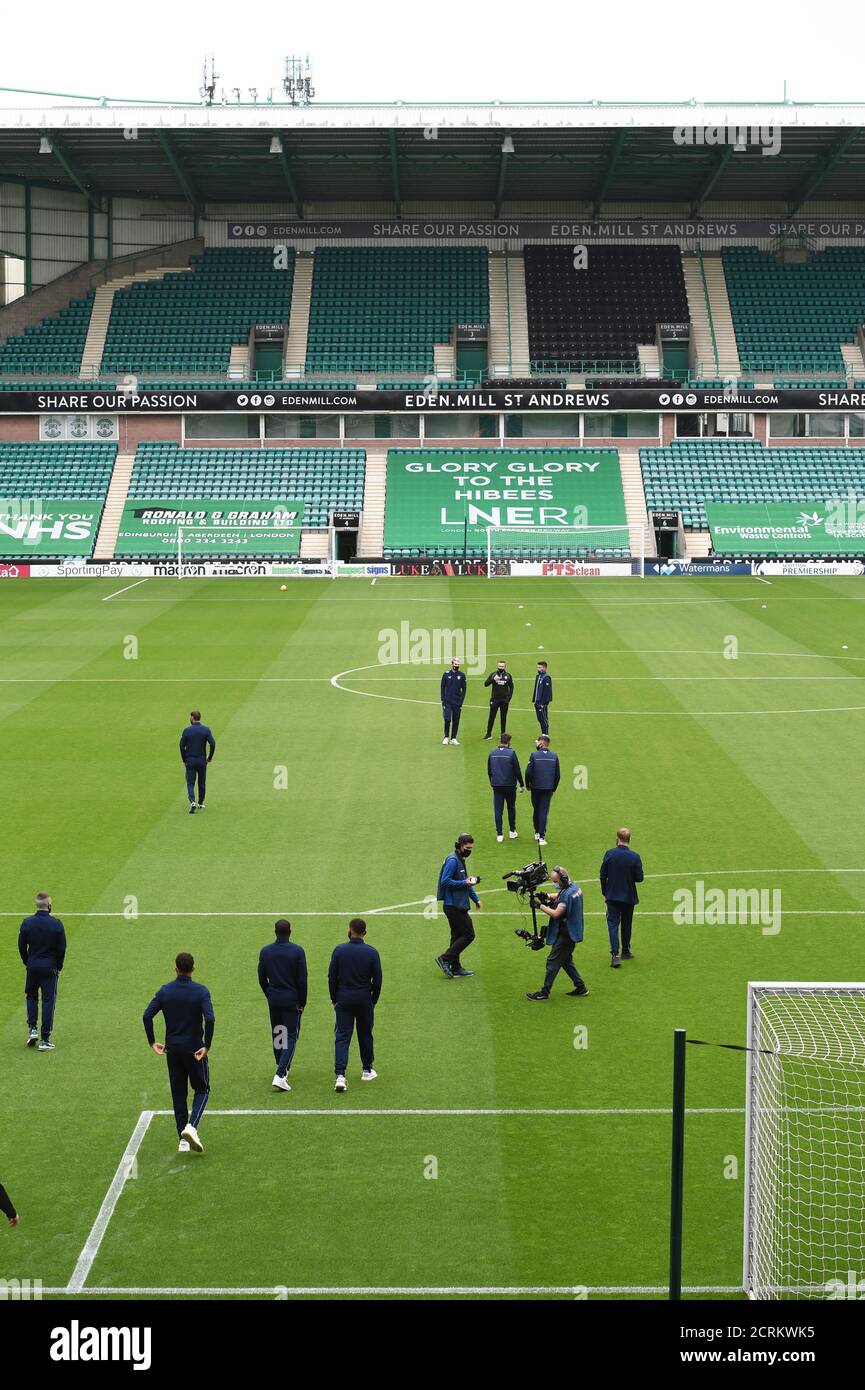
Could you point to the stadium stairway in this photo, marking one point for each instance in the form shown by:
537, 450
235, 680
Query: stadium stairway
370, 541
443, 356
698, 544
509, 325
294, 355
635, 501
650, 360
100, 314
238, 361
710, 313
115, 500
313, 545
854, 362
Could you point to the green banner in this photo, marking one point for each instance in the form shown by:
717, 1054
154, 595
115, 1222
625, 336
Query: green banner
449, 497
788, 528
34, 526
152, 526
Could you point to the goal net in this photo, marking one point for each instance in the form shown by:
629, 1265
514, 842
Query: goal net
805, 1141
555, 543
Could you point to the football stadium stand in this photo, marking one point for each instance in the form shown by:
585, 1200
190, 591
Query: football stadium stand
604, 312
55, 345
47, 470
322, 479
33, 476
795, 316
385, 309
691, 472
428, 513
189, 322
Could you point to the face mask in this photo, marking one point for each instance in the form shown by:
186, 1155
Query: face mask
465, 853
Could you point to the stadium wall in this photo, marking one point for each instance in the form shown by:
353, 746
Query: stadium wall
19, 428
61, 236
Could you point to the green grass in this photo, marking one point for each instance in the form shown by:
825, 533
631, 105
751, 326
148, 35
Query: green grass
728, 770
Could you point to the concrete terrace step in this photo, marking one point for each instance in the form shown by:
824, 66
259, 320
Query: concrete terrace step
115, 500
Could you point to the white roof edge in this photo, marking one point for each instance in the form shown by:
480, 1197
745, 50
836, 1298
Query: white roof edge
415, 116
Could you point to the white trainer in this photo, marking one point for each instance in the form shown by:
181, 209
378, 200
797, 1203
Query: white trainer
512, 834
191, 1135
540, 841
455, 742
341, 1084
500, 838
445, 742
279, 1083
183, 1147
368, 1075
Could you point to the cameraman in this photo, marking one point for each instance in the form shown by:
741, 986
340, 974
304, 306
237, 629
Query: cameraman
564, 930
455, 891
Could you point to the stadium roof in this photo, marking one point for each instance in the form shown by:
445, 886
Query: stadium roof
593, 154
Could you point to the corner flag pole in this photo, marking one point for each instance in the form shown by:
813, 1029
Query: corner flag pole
678, 1163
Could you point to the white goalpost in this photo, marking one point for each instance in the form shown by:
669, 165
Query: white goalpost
805, 1141
583, 544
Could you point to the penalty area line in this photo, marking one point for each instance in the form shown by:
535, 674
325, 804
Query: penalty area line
126, 588
109, 1202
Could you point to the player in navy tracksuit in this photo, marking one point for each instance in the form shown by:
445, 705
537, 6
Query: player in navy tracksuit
197, 747
282, 976
453, 693
542, 778
542, 696
189, 1022
504, 772
354, 981
621, 871
42, 948
7, 1207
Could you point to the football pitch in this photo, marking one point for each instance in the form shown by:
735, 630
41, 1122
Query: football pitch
507, 1148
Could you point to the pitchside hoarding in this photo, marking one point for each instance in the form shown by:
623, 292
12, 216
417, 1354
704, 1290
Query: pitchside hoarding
446, 499
786, 528
30, 527
151, 526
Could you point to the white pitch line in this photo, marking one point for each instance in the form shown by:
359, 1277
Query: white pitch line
397, 908
106, 1211
814, 912
762, 581
474, 1112
126, 587
306, 1290
360, 671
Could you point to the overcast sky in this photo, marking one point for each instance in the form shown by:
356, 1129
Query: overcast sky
384, 50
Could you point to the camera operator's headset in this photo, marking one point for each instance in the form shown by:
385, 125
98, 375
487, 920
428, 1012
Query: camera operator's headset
564, 876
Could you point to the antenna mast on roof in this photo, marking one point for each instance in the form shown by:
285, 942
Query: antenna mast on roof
210, 77
297, 82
